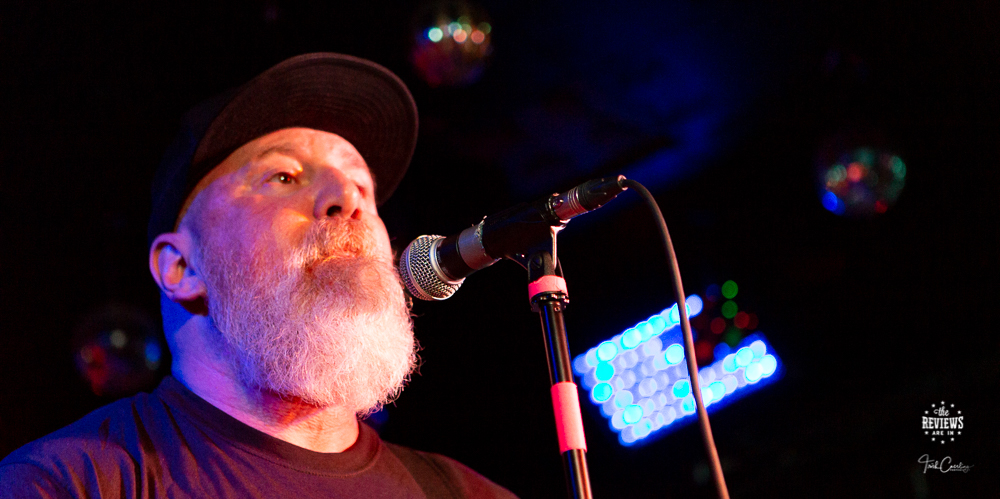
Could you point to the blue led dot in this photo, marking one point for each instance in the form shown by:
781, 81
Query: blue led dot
729, 363
674, 354
602, 392
617, 420
631, 338
731, 383
687, 406
652, 346
604, 371
768, 364
754, 372
659, 324
647, 387
435, 34
758, 348
718, 390
632, 414
659, 420
682, 388
628, 379
660, 399
674, 315
627, 436
706, 375
694, 305
744, 356
833, 203
669, 415
623, 399
660, 363
645, 330
642, 428
648, 406
706, 395
607, 351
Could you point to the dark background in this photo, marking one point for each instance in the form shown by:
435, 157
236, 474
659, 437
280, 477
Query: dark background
719, 106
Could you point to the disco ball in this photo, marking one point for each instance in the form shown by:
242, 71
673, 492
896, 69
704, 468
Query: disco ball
860, 180
451, 43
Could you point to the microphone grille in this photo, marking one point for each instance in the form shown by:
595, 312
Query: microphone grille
418, 270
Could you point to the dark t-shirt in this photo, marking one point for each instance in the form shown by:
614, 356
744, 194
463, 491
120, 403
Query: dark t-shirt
172, 443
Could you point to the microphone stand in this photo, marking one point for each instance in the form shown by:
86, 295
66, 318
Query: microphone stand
548, 296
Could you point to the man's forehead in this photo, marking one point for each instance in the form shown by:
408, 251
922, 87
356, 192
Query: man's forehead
293, 142
301, 143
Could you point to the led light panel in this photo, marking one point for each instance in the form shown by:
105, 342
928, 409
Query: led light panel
639, 378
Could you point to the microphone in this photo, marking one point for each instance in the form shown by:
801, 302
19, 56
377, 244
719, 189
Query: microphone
433, 267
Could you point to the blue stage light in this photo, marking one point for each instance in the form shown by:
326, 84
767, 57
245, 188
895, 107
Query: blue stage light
744, 356
687, 405
658, 323
674, 354
641, 382
607, 351
631, 338
632, 414
643, 428
604, 371
769, 364
729, 363
754, 372
623, 399
618, 421
681, 388
602, 392
718, 390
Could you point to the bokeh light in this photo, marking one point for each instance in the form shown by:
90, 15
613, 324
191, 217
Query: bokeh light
119, 350
729, 309
602, 392
858, 179
607, 351
742, 320
718, 325
639, 379
729, 289
441, 54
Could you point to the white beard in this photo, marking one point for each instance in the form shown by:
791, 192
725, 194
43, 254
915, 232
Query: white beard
330, 325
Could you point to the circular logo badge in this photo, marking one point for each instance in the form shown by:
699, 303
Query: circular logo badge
942, 422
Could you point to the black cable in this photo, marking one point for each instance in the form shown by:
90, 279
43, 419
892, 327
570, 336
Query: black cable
692, 363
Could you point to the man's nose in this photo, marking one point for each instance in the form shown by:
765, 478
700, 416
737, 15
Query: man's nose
338, 196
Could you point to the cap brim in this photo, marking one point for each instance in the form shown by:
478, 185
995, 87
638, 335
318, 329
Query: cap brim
357, 99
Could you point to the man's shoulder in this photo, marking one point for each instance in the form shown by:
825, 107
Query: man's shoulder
100, 442
442, 476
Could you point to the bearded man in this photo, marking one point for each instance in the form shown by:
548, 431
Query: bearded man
281, 307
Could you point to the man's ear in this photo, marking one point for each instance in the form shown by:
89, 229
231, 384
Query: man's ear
170, 263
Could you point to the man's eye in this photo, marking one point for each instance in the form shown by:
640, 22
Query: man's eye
283, 178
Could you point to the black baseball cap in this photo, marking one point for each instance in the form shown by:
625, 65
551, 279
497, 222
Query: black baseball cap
357, 99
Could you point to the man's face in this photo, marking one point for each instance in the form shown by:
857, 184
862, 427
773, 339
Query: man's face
298, 271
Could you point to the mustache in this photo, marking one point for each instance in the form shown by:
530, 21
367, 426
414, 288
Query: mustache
339, 238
